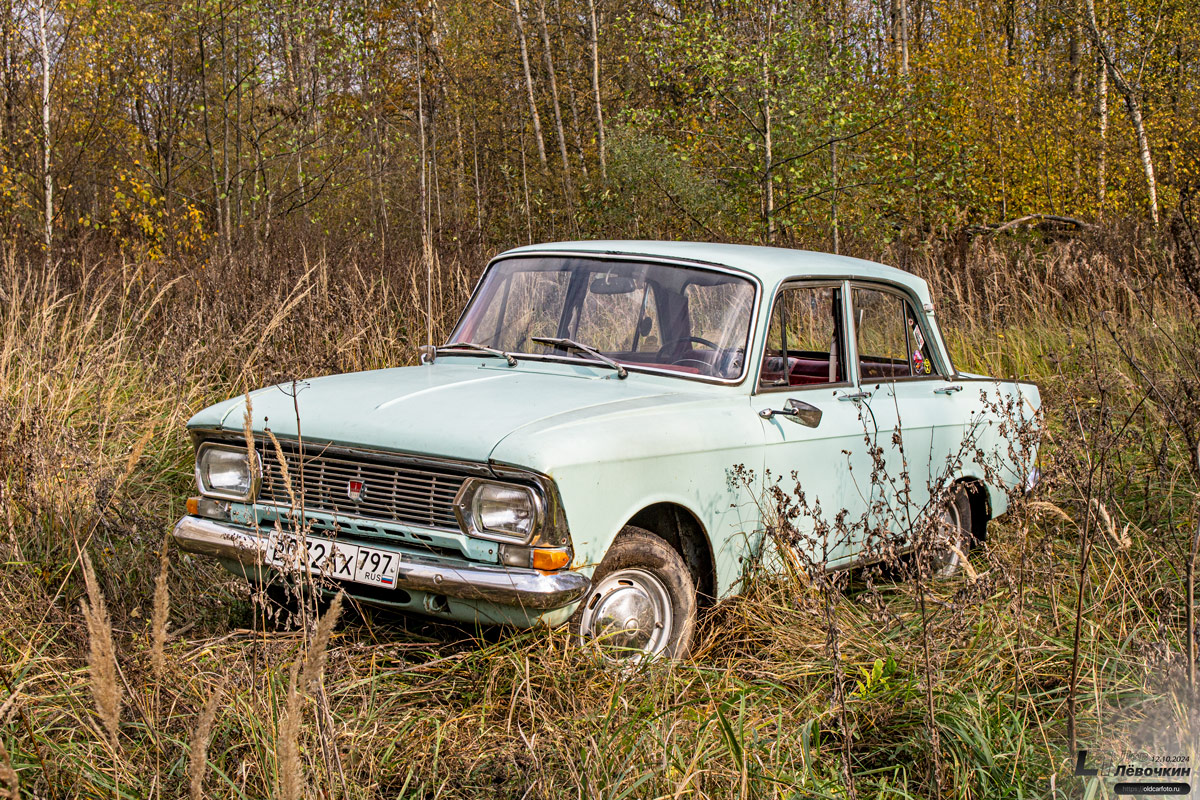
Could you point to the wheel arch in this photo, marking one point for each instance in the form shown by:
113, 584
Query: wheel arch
981, 504
683, 530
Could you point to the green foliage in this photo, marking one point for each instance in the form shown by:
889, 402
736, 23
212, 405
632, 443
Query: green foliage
180, 128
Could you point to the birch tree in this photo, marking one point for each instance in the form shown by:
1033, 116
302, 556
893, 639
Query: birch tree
47, 143
1133, 106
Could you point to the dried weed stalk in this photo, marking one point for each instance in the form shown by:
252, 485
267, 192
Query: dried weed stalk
102, 657
161, 611
198, 757
9, 782
290, 772
314, 663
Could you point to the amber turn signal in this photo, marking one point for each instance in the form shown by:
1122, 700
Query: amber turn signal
550, 559
193, 505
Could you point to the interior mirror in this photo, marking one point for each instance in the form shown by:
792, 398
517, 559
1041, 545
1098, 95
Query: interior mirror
612, 284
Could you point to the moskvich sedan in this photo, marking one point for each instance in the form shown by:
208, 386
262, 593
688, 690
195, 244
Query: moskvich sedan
577, 450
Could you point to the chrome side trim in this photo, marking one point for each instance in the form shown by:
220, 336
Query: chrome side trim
524, 588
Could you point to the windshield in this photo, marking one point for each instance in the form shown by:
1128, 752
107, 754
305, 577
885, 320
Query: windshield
659, 316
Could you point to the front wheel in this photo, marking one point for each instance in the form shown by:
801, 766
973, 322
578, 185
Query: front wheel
642, 603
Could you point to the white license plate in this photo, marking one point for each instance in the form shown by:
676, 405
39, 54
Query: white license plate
330, 559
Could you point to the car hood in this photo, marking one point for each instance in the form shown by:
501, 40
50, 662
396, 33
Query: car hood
456, 408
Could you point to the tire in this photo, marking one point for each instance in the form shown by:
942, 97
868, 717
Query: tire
277, 606
644, 580
954, 534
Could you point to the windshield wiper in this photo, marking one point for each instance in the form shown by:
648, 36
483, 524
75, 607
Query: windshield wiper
480, 348
571, 344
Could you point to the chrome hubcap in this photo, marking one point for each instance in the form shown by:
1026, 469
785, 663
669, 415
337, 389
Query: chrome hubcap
947, 554
629, 610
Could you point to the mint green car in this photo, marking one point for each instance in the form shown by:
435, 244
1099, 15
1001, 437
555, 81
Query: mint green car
596, 441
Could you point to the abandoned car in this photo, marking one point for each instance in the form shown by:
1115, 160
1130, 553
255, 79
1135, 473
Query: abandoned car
590, 445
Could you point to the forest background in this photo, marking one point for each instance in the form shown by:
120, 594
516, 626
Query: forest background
195, 131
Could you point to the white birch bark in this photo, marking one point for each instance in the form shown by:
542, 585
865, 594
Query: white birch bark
1132, 105
537, 120
594, 42
47, 175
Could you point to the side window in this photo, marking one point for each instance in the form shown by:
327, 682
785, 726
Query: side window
890, 342
804, 340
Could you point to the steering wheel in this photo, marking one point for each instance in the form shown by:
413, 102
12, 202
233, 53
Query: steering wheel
703, 341
705, 367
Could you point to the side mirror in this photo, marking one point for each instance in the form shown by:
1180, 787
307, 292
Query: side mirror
806, 414
799, 411
427, 354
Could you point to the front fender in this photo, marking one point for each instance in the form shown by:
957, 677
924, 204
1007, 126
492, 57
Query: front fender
609, 469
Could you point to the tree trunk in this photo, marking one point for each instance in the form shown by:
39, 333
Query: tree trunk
594, 42
1132, 105
222, 233
1135, 116
478, 183
525, 191
537, 120
558, 123
6, 56
47, 176
423, 199
575, 132
460, 171
768, 148
225, 178
1010, 31
1102, 110
1075, 58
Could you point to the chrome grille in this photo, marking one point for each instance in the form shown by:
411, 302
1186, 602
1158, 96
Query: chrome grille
415, 495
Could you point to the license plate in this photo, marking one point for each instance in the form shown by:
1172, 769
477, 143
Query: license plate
331, 559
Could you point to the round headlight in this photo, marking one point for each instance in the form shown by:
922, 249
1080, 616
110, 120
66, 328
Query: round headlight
224, 472
504, 508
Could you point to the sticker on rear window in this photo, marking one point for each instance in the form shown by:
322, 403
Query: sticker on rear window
917, 337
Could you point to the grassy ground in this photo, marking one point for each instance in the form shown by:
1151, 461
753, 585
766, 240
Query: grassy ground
100, 368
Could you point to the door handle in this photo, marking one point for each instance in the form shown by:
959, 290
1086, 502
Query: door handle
855, 396
806, 414
951, 389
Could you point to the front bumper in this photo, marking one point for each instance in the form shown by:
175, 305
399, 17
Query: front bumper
506, 586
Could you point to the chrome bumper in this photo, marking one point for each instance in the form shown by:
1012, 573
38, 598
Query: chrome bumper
525, 588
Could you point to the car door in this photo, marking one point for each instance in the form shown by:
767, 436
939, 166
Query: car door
902, 373
815, 426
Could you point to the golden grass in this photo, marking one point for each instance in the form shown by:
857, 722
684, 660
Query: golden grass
198, 755
100, 370
102, 656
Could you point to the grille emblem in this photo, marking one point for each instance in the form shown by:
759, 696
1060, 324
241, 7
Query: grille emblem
355, 490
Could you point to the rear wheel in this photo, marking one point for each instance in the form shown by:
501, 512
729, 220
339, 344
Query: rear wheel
642, 603
952, 534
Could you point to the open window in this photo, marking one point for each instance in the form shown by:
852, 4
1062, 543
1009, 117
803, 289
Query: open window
805, 343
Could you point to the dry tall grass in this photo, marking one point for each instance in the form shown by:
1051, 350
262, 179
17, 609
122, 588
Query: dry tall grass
101, 365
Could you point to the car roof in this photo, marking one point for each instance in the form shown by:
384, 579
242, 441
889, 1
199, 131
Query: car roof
772, 265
